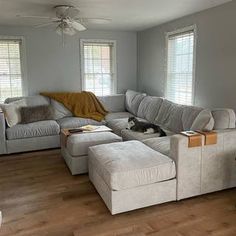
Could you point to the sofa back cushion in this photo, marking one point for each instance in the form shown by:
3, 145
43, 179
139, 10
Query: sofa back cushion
60, 111
204, 121
177, 118
224, 118
190, 113
149, 108
31, 101
133, 100
113, 103
170, 116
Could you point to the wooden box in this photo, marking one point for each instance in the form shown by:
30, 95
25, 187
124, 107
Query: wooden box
64, 135
210, 137
194, 138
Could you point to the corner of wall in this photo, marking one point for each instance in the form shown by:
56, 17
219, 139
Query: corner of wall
138, 67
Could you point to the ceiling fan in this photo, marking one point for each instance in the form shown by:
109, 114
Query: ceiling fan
67, 20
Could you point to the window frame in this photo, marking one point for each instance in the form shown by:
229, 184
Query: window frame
176, 32
23, 63
113, 61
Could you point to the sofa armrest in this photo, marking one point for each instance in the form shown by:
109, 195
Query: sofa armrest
2, 133
204, 169
219, 163
188, 166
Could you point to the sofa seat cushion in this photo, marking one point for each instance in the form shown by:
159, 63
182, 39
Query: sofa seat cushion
75, 122
160, 144
126, 165
117, 125
35, 129
77, 145
127, 134
117, 115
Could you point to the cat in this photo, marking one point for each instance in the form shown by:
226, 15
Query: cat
147, 128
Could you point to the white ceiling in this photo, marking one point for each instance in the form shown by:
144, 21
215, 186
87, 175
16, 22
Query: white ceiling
125, 14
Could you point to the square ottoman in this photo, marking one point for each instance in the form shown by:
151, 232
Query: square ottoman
130, 175
75, 152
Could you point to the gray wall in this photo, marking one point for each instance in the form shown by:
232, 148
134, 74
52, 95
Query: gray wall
50, 67
215, 84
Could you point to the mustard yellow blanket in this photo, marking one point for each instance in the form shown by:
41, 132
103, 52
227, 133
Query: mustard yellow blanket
84, 104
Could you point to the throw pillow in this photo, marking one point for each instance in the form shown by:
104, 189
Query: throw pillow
36, 113
12, 112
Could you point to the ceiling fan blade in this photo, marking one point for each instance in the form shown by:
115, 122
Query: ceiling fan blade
95, 20
38, 17
46, 24
76, 25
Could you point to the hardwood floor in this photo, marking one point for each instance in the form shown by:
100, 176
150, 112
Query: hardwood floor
38, 196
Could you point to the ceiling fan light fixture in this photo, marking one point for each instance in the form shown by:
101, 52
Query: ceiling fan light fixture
69, 31
64, 28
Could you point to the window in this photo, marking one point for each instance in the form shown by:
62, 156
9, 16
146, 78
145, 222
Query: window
11, 84
98, 66
180, 66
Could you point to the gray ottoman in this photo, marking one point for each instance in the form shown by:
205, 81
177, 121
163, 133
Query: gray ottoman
75, 151
131, 175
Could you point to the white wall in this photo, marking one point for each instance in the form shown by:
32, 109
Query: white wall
215, 84
50, 67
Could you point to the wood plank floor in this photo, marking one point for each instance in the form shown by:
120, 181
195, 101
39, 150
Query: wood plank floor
38, 196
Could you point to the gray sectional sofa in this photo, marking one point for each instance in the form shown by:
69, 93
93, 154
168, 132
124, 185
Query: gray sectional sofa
186, 172
172, 117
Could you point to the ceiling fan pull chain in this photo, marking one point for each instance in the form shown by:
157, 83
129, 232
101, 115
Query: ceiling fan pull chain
63, 37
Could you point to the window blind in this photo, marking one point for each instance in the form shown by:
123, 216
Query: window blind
98, 68
10, 69
179, 86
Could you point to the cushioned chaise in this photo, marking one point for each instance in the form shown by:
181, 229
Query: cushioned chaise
131, 171
133, 135
76, 150
118, 125
160, 144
